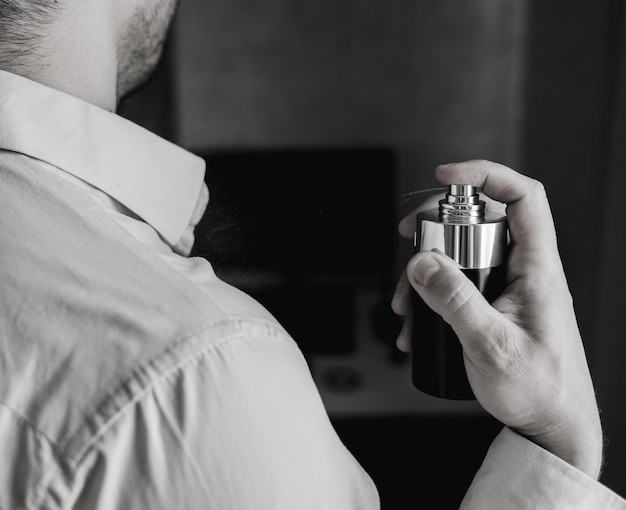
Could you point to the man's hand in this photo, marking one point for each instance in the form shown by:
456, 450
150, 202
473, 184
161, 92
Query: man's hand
523, 353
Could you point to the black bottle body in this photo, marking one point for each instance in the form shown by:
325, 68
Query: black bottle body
438, 368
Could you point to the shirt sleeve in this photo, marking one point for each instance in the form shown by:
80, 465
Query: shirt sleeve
519, 475
239, 426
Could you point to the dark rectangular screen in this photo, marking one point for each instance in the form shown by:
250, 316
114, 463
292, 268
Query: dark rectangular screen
301, 229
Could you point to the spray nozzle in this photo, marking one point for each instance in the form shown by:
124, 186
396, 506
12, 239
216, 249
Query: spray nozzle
462, 204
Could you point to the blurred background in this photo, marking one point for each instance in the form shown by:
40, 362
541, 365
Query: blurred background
317, 119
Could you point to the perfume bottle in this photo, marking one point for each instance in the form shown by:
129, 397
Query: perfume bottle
477, 240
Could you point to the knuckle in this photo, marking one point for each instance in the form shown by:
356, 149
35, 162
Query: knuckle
537, 189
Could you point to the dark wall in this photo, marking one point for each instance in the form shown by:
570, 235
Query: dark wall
433, 80
574, 142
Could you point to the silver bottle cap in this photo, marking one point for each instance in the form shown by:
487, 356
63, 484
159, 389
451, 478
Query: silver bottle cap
463, 229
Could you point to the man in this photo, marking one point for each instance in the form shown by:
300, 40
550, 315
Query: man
132, 378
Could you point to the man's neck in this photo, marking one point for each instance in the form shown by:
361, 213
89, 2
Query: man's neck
78, 56
78, 86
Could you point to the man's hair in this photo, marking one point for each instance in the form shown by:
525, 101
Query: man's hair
22, 25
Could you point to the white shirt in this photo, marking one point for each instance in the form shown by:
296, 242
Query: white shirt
131, 377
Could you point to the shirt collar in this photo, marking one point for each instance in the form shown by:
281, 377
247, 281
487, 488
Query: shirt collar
157, 180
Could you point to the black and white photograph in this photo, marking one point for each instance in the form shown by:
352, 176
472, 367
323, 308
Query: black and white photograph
312, 255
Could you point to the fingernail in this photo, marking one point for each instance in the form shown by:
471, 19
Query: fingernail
424, 269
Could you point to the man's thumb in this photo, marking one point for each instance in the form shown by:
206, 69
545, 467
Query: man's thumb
445, 289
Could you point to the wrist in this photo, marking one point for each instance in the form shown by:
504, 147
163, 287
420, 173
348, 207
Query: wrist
583, 450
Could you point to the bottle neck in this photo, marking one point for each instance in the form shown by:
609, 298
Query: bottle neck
462, 205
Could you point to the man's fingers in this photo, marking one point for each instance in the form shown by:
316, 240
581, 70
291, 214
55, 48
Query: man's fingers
401, 296
407, 225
